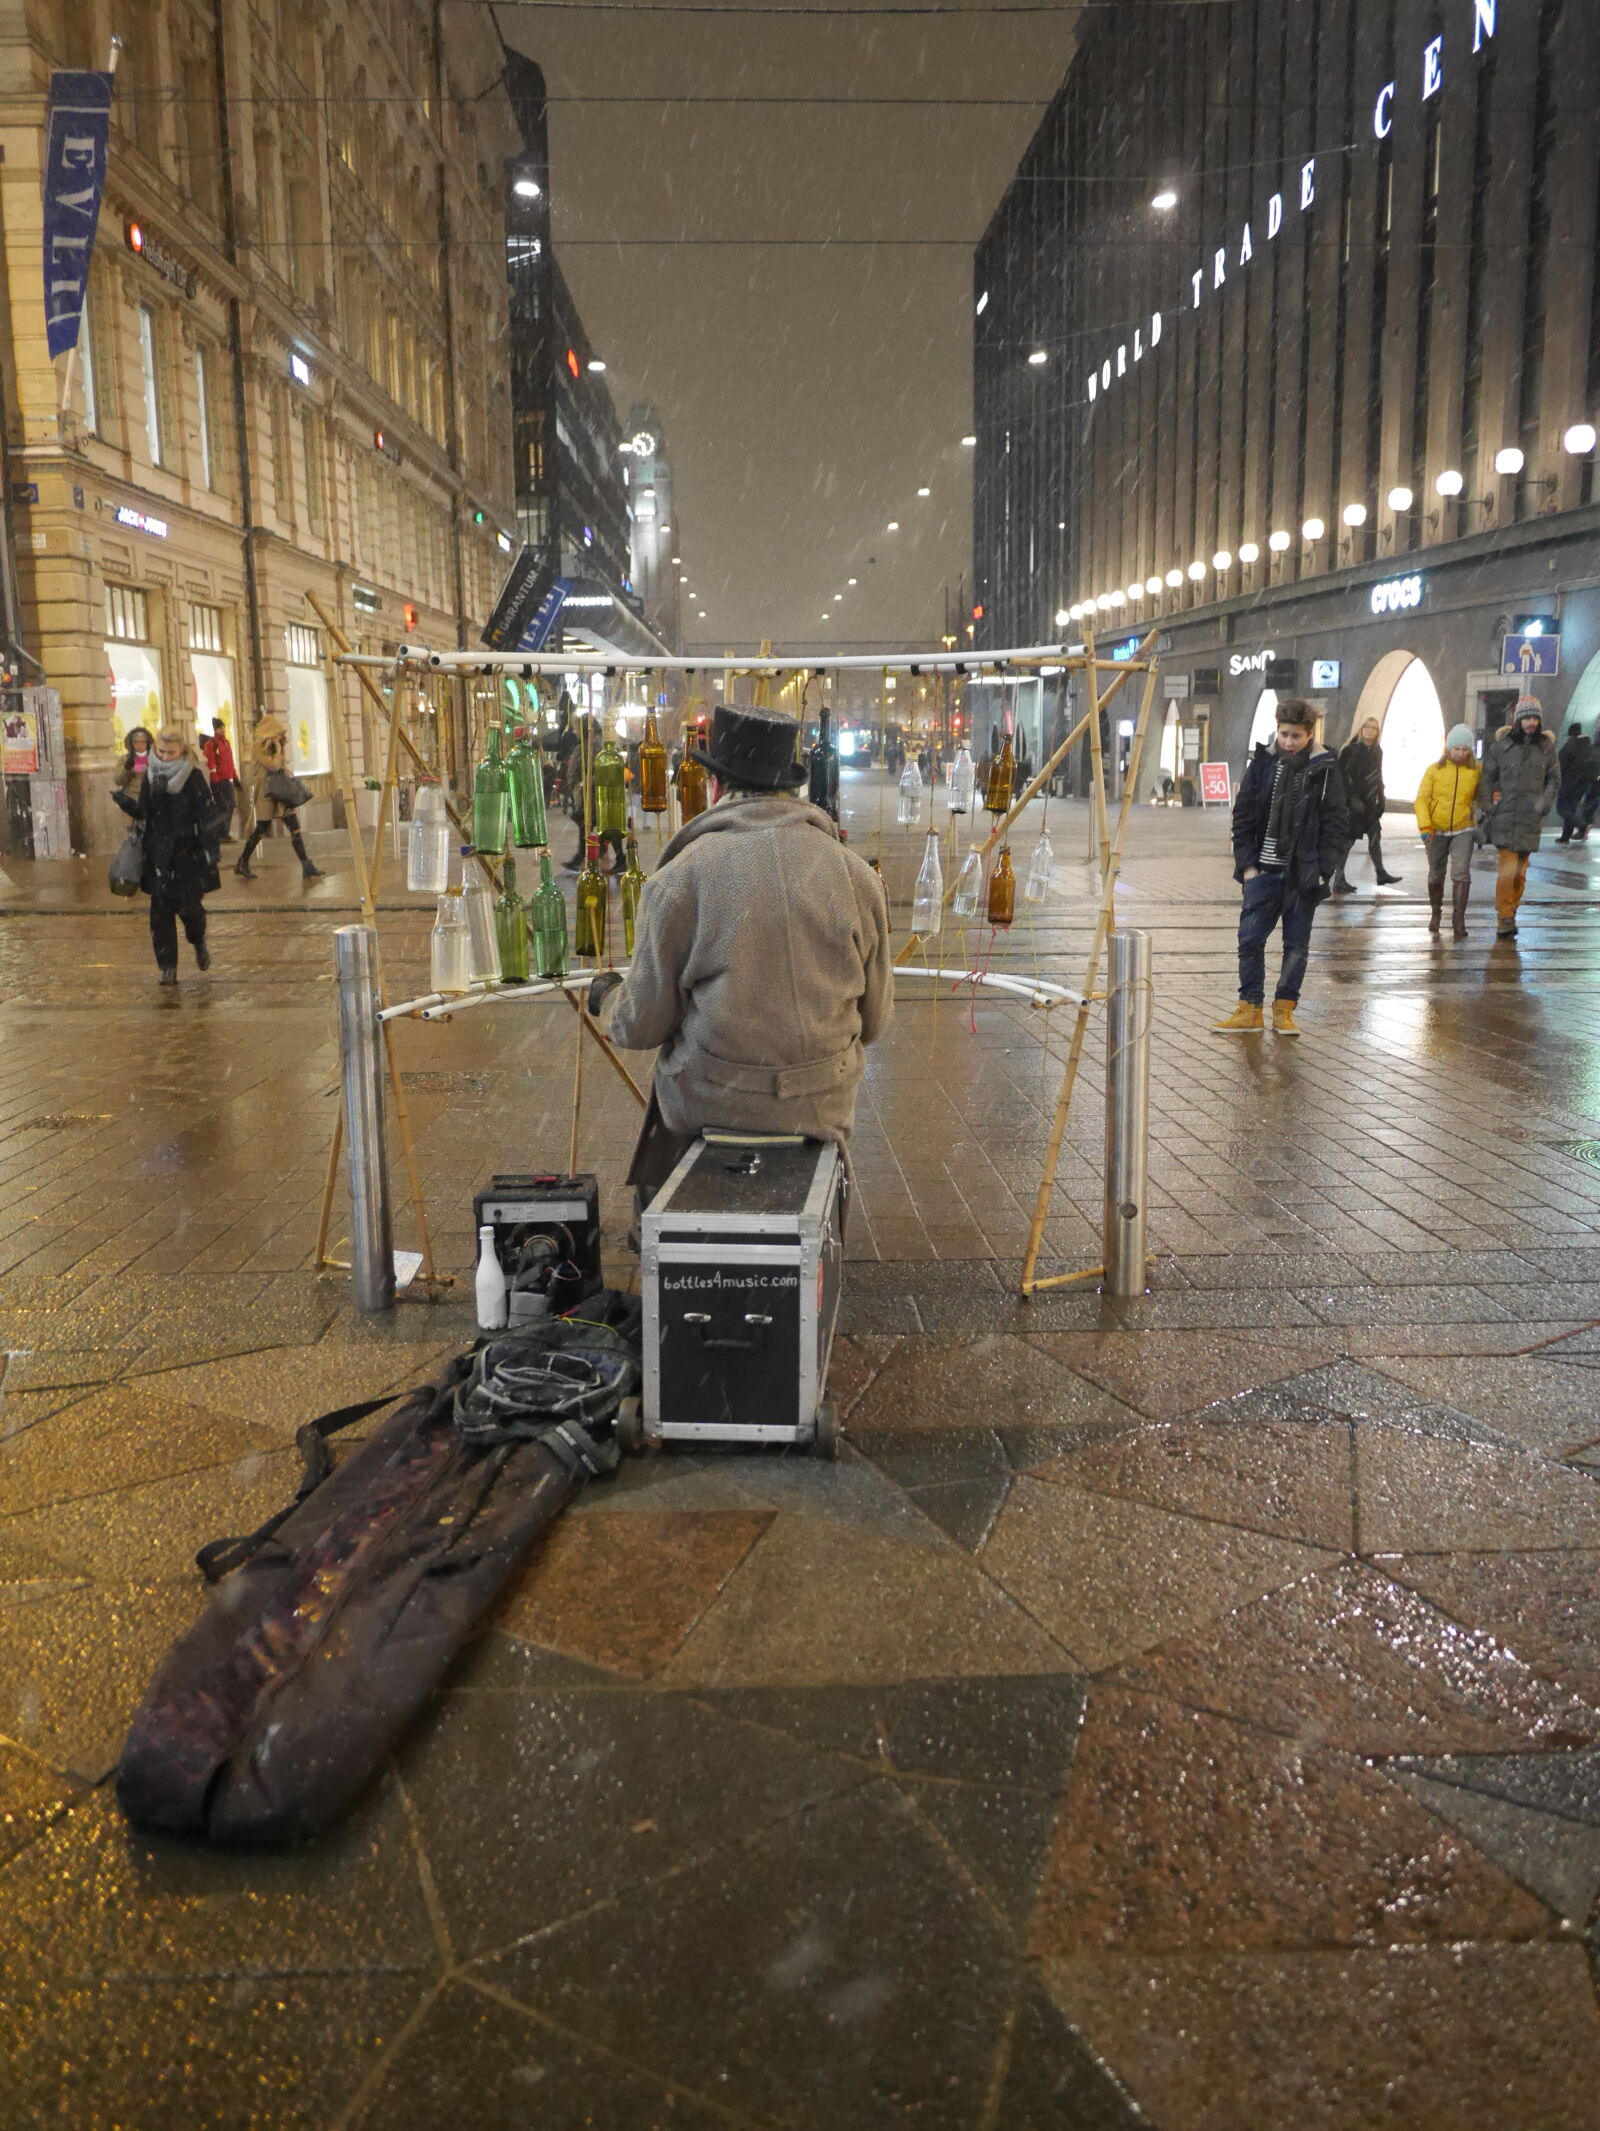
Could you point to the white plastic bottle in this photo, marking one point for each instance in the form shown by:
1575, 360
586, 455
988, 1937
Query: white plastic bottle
481, 929
927, 904
450, 946
909, 812
428, 846
962, 781
491, 1287
1040, 868
969, 886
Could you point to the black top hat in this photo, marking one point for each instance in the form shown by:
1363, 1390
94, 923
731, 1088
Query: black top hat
752, 747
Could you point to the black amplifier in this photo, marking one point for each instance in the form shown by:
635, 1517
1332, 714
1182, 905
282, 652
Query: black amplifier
566, 1208
742, 1254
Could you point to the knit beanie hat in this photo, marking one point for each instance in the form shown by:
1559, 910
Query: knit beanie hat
1458, 736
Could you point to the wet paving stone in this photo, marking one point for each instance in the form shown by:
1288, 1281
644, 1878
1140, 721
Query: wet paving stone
1553, 1857
1180, 1829
1347, 1659
1543, 1606
948, 1383
470, 2051
1415, 1495
1109, 1578
1534, 1400
140, 2054
32, 1796
622, 1592
1356, 2040
835, 1945
1292, 1479
591, 1793
1165, 1374
115, 1438
74, 1663
818, 1602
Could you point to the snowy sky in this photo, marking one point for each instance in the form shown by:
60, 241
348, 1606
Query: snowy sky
807, 391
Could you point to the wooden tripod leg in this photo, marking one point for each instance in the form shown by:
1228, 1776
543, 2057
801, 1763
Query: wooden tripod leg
608, 1049
329, 1185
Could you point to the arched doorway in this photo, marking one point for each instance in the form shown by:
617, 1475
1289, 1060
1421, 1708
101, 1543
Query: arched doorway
1172, 745
1264, 728
1584, 708
1400, 694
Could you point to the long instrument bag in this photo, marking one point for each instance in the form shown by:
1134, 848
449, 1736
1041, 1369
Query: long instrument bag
330, 1627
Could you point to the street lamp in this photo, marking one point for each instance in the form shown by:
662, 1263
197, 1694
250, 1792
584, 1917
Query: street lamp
969, 443
1579, 440
1510, 460
1280, 543
1401, 500
1165, 201
1249, 552
1221, 561
1355, 514
1174, 579
1313, 529
1197, 571
1039, 358
1153, 586
1450, 483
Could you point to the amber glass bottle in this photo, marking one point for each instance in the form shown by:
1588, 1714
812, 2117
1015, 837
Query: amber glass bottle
1002, 779
1002, 889
652, 768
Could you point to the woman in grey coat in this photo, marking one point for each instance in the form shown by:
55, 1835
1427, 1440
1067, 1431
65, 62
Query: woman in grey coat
1521, 777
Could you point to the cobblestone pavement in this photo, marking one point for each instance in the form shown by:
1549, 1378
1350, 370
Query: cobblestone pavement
1183, 1712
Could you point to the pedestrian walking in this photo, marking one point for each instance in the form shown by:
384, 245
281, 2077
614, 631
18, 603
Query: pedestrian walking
1521, 777
1290, 827
1575, 798
1361, 765
1446, 800
135, 757
224, 775
177, 826
271, 742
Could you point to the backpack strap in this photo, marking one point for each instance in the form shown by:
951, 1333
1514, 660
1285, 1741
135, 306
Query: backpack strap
220, 1556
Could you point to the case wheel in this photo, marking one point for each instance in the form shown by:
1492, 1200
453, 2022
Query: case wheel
630, 1425
825, 1443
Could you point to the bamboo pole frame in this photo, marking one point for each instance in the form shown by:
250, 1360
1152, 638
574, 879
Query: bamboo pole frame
1105, 923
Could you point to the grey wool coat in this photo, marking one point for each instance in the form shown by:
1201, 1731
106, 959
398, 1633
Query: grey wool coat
1518, 787
761, 968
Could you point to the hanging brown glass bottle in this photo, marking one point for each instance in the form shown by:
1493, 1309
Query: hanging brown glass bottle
1002, 889
1002, 780
652, 769
692, 795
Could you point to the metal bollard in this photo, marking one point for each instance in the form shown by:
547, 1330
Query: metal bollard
361, 1075
1127, 1114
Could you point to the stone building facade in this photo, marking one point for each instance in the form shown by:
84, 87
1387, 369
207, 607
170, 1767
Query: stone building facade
294, 379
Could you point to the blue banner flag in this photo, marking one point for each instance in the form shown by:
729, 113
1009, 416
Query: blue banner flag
76, 139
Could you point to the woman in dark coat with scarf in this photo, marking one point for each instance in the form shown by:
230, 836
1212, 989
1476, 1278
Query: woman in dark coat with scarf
1361, 766
178, 825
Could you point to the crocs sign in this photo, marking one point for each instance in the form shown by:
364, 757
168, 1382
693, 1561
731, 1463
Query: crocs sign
1397, 595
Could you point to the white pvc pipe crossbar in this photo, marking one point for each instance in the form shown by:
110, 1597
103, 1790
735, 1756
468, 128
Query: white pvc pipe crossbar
418, 658
438, 1006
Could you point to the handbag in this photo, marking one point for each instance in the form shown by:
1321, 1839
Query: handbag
286, 790
127, 866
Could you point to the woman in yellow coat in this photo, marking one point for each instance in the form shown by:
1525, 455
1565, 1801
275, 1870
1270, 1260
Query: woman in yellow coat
1444, 815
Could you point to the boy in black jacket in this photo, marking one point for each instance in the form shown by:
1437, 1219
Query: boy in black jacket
1291, 824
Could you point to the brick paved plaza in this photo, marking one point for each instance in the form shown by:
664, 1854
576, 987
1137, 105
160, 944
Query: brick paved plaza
1179, 1713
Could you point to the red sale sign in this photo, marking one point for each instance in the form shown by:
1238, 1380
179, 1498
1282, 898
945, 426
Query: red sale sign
1215, 786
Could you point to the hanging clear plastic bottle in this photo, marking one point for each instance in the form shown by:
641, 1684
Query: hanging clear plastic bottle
963, 781
927, 903
478, 897
547, 924
428, 845
450, 945
630, 888
491, 800
1040, 867
909, 812
969, 886
511, 927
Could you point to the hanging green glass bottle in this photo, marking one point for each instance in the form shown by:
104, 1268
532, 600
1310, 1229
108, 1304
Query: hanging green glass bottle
652, 768
590, 931
511, 926
632, 887
491, 798
547, 922
526, 772
610, 791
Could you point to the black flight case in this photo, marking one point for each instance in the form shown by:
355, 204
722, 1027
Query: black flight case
742, 1251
